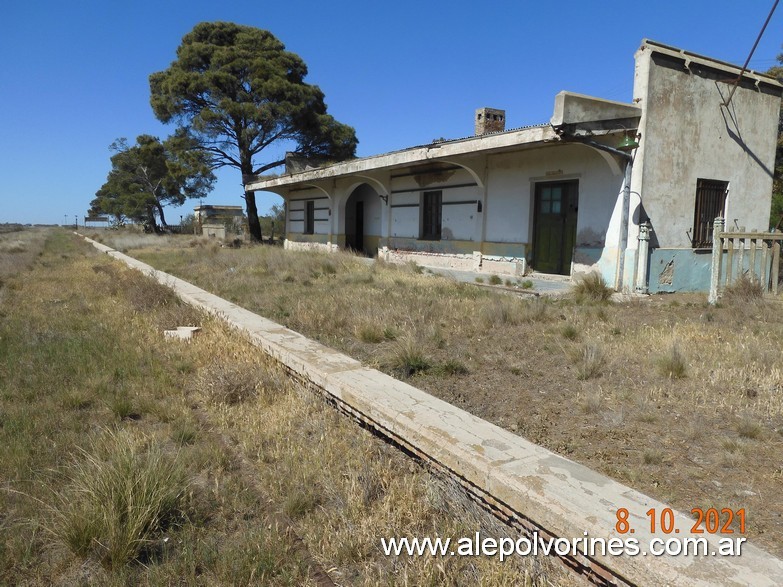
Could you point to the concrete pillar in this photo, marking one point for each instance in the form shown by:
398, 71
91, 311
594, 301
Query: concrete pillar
717, 257
643, 258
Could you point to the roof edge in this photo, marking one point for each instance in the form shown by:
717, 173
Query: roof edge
659, 47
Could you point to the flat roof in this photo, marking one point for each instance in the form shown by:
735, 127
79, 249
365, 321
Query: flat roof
495, 142
434, 152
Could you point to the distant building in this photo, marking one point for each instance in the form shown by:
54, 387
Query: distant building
578, 194
217, 221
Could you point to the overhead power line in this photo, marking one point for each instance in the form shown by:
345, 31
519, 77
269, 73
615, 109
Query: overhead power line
756, 44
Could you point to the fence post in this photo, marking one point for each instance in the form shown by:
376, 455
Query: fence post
717, 254
643, 252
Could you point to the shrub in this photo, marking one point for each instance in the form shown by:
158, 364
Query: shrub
228, 383
591, 288
570, 332
495, 280
745, 290
452, 367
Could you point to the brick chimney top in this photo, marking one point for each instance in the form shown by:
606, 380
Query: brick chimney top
490, 120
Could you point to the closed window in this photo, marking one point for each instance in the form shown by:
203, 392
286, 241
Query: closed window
710, 204
431, 215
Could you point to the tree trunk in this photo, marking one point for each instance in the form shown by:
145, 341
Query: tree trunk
151, 222
160, 213
254, 226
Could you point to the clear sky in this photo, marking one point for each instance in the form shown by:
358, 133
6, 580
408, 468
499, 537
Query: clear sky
74, 75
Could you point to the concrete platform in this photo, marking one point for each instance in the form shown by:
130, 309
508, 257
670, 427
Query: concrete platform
537, 489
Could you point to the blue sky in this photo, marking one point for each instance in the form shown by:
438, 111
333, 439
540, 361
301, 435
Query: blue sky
74, 75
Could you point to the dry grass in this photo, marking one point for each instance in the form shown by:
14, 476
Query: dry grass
672, 364
18, 250
228, 382
119, 495
591, 363
408, 357
591, 288
211, 466
521, 368
745, 290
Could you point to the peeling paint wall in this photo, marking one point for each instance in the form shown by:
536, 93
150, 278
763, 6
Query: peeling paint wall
684, 270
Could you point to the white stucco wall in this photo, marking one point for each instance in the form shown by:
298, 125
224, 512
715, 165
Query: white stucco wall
687, 134
459, 217
405, 215
296, 209
511, 190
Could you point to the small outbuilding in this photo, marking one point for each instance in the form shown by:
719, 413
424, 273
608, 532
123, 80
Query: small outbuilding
629, 190
218, 221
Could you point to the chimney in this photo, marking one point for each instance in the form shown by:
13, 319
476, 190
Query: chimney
490, 120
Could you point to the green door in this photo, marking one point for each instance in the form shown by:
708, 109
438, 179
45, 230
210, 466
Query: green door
554, 227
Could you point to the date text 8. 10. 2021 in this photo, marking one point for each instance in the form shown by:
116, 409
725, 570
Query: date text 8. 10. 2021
710, 521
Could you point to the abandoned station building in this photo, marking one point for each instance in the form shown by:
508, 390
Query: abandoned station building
601, 182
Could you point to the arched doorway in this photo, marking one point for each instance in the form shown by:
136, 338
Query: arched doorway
363, 220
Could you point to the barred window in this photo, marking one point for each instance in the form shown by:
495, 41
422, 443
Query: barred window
710, 204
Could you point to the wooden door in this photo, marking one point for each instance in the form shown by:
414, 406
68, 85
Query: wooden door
554, 226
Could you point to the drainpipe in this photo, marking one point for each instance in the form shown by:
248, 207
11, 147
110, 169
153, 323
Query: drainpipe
623, 244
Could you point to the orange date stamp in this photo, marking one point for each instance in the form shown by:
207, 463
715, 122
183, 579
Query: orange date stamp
709, 521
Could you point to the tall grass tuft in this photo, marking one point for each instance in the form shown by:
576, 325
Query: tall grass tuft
745, 290
591, 288
408, 357
673, 364
118, 497
591, 362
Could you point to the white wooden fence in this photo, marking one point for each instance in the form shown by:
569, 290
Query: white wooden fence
755, 255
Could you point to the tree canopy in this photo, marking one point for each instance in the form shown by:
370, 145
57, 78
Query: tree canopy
237, 91
152, 174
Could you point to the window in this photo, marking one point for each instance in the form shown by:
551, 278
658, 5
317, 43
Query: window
431, 215
309, 217
710, 203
